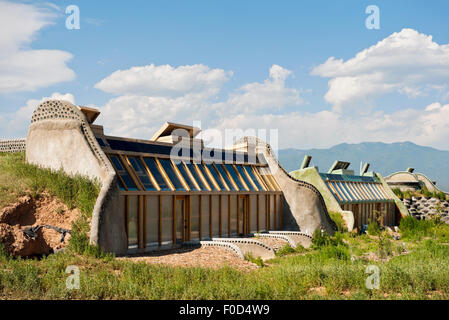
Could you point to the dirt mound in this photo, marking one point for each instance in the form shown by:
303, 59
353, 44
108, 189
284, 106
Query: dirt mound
30, 212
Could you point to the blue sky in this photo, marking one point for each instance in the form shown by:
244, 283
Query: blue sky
238, 42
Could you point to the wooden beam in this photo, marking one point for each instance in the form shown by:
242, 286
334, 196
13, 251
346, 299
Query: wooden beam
159, 234
229, 215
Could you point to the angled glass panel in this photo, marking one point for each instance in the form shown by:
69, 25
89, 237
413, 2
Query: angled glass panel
264, 173
195, 174
141, 173
151, 164
216, 174
225, 176
245, 177
168, 168
185, 175
235, 176
206, 176
123, 173
253, 177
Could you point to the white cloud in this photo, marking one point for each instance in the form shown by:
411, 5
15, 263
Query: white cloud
21, 68
140, 115
327, 128
406, 62
268, 96
16, 124
165, 81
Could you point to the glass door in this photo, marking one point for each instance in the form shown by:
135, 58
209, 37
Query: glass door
182, 219
243, 218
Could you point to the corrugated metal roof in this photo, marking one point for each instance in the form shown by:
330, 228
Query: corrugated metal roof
356, 191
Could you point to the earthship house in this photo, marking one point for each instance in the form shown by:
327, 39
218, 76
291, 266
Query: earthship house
358, 198
410, 181
171, 190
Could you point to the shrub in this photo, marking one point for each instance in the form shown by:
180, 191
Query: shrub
339, 221
415, 229
258, 261
321, 239
287, 249
373, 228
398, 193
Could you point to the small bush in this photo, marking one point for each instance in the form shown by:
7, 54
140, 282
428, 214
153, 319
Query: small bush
415, 229
258, 261
287, 249
339, 221
373, 228
321, 239
398, 193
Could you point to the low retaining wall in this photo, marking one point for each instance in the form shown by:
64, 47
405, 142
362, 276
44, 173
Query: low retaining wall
13, 145
250, 246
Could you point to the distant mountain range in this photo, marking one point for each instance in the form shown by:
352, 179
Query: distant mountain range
384, 159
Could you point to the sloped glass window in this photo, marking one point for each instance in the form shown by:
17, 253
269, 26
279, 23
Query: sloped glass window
225, 176
265, 173
141, 173
245, 177
168, 168
216, 175
123, 173
253, 177
195, 174
185, 175
235, 176
206, 176
151, 164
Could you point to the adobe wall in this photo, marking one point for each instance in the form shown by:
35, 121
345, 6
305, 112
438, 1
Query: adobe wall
61, 138
304, 208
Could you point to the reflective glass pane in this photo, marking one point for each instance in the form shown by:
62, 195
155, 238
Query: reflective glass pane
245, 177
133, 221
253, 177
186, 176
216, 175
123, 173
168, 168
141, 173
156, 173
206, 176
235, 176
224, 174
195, 174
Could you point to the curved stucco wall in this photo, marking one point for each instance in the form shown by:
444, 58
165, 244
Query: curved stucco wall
61, 138
407, 177
306, 210
312, 176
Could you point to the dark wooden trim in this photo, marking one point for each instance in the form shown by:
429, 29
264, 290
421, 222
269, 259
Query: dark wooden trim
201, 213
210, 216
127, 219
229, 215
174, 220
219, 215
159, 235
258, 224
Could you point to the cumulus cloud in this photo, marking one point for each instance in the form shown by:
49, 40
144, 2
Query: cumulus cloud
268, 96
151, 97
255, 106
22, 68
407, 62
327, 128
165, 81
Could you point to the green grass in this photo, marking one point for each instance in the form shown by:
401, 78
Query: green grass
18, 178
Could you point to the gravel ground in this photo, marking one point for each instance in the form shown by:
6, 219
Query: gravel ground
204, 257
274, 243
